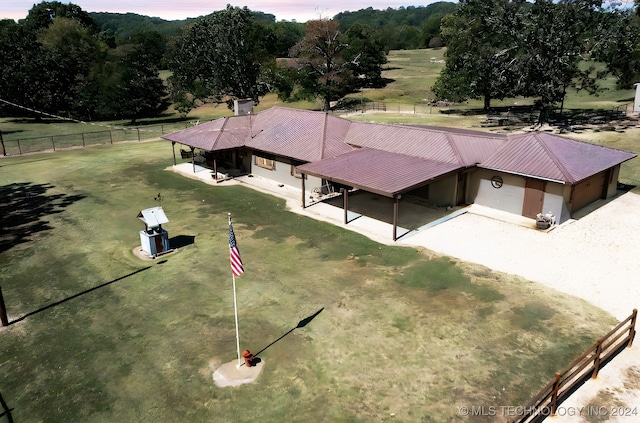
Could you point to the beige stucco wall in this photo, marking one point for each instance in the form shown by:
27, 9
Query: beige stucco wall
282, 174
510, 197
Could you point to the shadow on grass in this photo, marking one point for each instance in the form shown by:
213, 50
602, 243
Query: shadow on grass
23, 207
181, 241
7, 411
57, 303
302, 323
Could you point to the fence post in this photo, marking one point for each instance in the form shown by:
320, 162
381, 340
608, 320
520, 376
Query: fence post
138, 129
554, 394
596, 361
632, 327
82, 139
53, 144
19, 148
3, 311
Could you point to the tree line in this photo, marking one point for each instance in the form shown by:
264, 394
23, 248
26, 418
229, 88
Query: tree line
60, 60
500, 49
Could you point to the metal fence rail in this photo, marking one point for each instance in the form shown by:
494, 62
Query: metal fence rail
20, 146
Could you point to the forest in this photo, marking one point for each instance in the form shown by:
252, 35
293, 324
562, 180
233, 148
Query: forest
63, 61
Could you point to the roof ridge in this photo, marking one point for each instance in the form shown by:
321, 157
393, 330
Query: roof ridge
324, 135
455, 149
565, 172
226, 119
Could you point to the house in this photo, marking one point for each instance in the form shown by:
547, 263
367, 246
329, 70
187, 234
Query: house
525, 174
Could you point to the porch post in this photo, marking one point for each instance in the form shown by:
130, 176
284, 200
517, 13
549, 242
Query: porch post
345, 203
395, 216
193, 159
173, 148
215, 167
303, 199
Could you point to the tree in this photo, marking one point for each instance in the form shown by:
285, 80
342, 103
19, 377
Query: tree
555, 37
481, 49
325, 71
366, 53
618, 45
217, 58
42, 15
67, 52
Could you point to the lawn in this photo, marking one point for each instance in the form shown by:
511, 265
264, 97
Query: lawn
100, 335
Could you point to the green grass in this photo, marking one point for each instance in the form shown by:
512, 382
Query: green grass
403, 331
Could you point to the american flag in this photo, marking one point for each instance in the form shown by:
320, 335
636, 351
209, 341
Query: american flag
236, 261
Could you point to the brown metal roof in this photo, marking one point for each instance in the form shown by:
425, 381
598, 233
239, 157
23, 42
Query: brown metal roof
553, 157
300, 134
465, 148
220, 134
378, 171
310, 136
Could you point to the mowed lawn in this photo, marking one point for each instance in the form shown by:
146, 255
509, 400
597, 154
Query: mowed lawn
99, 335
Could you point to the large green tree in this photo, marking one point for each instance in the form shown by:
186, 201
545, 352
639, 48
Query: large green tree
481, 48
217, 59
554, 40
332, 64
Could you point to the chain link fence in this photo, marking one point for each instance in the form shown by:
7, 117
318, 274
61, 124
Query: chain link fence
20, 146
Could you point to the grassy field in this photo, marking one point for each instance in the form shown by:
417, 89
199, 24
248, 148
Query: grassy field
99, 335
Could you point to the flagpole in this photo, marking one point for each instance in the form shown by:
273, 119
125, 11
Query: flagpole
235, 308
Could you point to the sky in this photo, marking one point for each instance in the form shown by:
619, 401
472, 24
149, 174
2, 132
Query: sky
288, 10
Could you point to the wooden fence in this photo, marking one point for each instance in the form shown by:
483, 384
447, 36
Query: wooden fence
546, 402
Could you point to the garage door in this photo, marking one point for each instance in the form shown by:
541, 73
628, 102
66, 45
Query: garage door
589, 190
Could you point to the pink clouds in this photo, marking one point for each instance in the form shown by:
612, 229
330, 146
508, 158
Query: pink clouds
181, 9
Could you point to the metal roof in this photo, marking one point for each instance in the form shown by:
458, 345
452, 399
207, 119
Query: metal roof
465, 148
299, 134
153, 217
220, 134
311, 136
378, 171
552, 157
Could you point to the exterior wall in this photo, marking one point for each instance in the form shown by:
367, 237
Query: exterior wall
510, 196
612, 188
443, 192
282, 174
554, 201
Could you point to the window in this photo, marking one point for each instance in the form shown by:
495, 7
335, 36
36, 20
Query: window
265, 163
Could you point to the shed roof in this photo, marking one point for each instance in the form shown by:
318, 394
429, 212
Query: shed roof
552, 157
153, 217
378, 171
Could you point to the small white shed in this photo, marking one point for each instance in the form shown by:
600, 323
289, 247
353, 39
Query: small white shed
154, 239
636, 103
